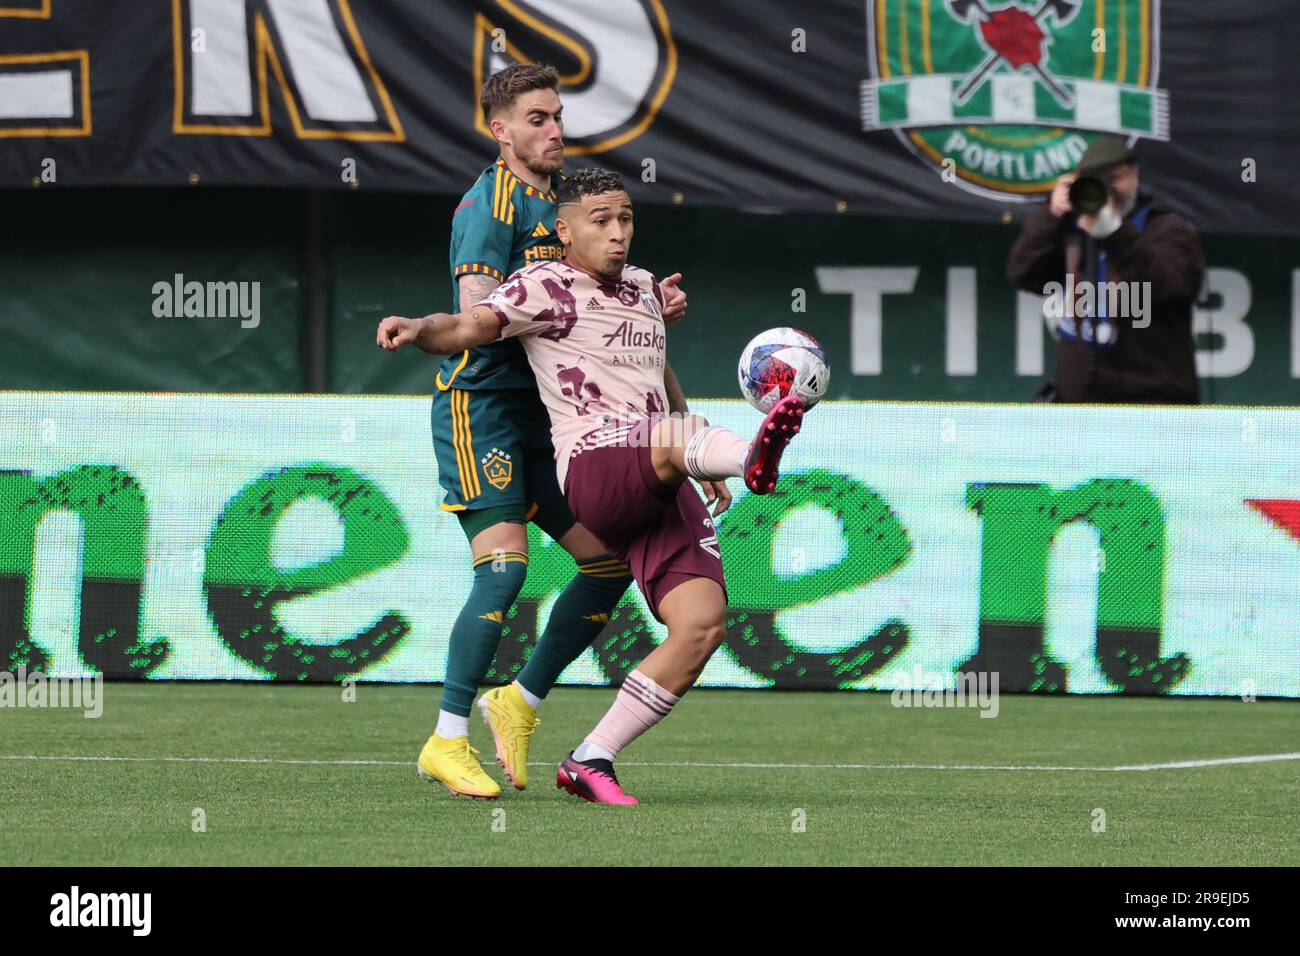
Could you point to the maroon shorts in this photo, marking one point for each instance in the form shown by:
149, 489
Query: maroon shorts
662, 532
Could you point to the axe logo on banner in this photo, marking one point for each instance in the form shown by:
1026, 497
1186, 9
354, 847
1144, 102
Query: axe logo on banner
228, 53
616, 58
1008, 95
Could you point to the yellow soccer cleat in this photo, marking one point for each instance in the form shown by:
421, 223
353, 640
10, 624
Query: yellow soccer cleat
452, 762
512, 723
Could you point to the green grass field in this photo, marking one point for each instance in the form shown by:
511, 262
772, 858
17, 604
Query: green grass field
294, 775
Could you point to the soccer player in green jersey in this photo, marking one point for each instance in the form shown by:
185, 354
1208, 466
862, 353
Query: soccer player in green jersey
491, 436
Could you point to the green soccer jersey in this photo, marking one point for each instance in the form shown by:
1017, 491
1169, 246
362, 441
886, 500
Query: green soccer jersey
501, 225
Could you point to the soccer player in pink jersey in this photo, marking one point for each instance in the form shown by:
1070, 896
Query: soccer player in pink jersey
593, 330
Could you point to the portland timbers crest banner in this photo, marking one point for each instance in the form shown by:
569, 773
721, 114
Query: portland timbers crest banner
1011, 95
954, 109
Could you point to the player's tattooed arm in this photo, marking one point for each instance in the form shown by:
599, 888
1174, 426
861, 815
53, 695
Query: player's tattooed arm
440, 333
474, 289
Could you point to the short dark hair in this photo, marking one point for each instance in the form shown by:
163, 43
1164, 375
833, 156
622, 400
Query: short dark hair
588, 181
504, 87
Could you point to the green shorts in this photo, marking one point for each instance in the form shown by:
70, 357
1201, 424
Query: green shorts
494, 450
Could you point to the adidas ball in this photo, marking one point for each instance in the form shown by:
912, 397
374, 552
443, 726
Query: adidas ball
781, 362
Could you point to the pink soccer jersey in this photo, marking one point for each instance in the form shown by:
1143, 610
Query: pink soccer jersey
597, 348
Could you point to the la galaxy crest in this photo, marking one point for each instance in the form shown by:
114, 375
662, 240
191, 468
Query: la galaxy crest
497, 468
1006, 96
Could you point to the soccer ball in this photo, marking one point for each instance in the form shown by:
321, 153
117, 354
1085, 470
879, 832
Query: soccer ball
781, 362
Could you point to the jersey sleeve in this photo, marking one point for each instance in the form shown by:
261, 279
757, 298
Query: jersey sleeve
657, 292
482, 240
518, 304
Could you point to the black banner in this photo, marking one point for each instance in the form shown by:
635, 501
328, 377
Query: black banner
962, 109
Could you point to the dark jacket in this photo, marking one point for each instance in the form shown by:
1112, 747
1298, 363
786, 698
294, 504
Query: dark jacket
1156, 364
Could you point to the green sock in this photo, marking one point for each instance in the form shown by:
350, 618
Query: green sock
474, 637
577, 618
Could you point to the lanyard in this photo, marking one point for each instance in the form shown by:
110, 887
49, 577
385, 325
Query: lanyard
1103, 335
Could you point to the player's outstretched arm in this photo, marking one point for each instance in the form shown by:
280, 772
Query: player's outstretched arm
440, 333
474, 289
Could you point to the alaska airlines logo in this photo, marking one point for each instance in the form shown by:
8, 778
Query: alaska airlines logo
1006, 96
628, 337
227, 53
617, 62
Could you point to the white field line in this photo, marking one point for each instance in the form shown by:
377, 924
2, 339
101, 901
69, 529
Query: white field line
684, 764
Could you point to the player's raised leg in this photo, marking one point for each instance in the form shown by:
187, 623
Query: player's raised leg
682, 447
680, 573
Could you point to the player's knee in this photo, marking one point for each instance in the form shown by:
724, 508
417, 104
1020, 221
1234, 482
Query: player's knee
702, 640
500, 574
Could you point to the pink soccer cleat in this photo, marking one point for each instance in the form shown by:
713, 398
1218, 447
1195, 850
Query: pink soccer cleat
593, 780
781, 424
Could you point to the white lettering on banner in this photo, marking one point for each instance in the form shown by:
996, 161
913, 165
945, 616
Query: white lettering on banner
1230, 353
43, 90
1227, 320
867, 286
1031, 319
46, 95
311, 48
625, 58
960, 356
329, 82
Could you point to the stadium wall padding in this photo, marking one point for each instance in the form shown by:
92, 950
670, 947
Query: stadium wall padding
76, 296
1068, 549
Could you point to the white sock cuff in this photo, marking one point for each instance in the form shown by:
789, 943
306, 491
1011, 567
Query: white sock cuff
640, 685
451, 725
693, 455
529, 697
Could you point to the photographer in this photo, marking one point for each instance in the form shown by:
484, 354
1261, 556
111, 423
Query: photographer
1099, 234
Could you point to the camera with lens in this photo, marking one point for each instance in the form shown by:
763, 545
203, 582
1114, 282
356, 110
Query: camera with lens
1087, 195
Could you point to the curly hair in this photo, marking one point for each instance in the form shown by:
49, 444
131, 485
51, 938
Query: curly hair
588, 181
504, 87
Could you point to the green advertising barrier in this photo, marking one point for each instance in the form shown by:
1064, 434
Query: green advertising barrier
1067, 549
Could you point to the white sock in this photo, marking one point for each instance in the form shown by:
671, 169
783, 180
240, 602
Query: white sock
451, 725
588, 751
714, 453
533, 700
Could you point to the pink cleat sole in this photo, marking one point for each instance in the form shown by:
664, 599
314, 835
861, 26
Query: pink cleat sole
781, 424
593, 780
